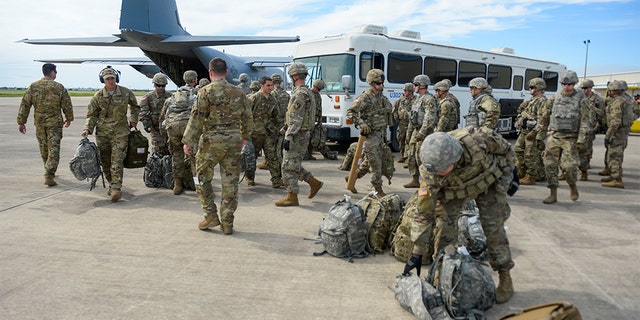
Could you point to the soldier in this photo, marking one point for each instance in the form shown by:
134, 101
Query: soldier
220, 124
372, 112
244, 83
596, 121
424, 119
401, 114
566, 122
264, 107
449, 111
49, 100
528, 152
467, 163
150, 107
274, 139
203, 82
318, 140
254, 87
620, 116
299, 121
484, 109
107, 117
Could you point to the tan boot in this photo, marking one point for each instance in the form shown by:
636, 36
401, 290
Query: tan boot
290, 200
402, 159
262, 166
606, 179
406, 164
48, 181
115, 195
226, 229
528, 180
379, 192
251, 182
562, 177
605, 172
505, 287
583, 175
277, 184
315, 185
177, 186
414, 183
553, 197
614, 183
573, 189
209, 222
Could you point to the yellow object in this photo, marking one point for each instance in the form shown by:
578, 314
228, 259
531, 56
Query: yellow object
635, 127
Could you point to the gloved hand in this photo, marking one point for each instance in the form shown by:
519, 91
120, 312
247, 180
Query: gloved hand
285, 145
540, 145
414, 262
147, 129
531, 136
579, 146
515, 183
364, 129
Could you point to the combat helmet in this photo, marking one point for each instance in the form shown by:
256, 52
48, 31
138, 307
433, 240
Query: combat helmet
537, 83
442, 85
159, 79
189, 76
298, 68
243, 77
479, 82
409, 87
203, 82
440, 150
586, 83
569, 77
421, 80
616, 85
255, 85
375, 75
276, 77
318, 83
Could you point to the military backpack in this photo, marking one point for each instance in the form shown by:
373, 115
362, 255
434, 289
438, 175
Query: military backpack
381, 216
85, 163
248, 158
137, 150
420, 298
343, 232
470, 232
158, 172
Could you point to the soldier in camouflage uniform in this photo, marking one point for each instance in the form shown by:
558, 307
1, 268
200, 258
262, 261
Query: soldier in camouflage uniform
566, 122
528, 154
467, 163
254, 87
220, 124
372, 112
597, 120
203, 82
449, 112
401, 114
264, 107
424, 119
299, 122
107, 117
318, 139
244, 83
150, 107
620, 116
274, 139
484, 109
49, 100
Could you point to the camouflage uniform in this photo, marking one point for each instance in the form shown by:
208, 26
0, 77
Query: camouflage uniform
617, 133
107, 114
299, 120
374, 110
274, 139
596, 121
150, 108
49, 100
318, 138
449, 114
528, 155
484, 110
401, 113
220, 120
265, 113
173, 120
426, 107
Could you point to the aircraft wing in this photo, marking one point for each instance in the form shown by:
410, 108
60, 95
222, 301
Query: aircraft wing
111, 41
201, 41
278, 62
123, 61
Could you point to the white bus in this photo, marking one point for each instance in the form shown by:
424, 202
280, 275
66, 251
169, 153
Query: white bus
343, 61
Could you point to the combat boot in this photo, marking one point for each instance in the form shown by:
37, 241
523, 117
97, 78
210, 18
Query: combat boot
402, 159
606, 179
414, 183
562, 177
49, 181
553, 197
605, 172
573, 189
583, 175
315, 185
614, 183
528, 180
251, 182
177, 186
330, 155
209, 222
262, 166
226, 229
406, 164
277, 184
505, 287
379, 192
290, 200
115, 195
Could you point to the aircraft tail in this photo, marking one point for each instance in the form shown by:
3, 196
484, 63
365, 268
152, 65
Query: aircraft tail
152, 16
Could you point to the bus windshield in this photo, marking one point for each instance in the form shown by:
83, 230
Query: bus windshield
330, 69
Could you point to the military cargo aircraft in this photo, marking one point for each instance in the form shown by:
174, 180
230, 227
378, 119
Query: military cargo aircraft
154, 27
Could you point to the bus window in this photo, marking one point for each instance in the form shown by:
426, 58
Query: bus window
368, 61
530, 74
470, 70
551, 78
439, 69
517, 83
403, 67
499, 77
330, 68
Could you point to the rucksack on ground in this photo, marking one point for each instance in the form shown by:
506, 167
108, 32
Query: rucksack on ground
420, 298
343, 232
558, 310
158, 171
167, 171
85, 163
137, 150
466, 286
381, 216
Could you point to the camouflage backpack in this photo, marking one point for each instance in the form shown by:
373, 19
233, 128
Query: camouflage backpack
85, 163
381, 216
248, 158
466, 287
344, 232
167, 171
470, 232
388, 167
420, 298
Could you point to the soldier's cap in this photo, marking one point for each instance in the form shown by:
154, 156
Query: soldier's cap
108, 73
439, 151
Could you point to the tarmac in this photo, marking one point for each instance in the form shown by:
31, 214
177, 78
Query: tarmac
69, 253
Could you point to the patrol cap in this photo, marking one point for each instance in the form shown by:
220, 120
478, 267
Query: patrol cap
479, 82
159, 79
47, 68
318, 83
586, 83
189, 76
569, 77
440, 150
442, 85
276, 77
409, 87
108, 73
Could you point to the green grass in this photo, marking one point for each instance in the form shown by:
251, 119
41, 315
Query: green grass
72, 93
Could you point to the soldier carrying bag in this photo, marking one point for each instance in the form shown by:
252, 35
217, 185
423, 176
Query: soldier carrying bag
137, 150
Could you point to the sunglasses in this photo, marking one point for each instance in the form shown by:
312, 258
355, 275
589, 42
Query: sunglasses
568, 84
160, 85
377, 83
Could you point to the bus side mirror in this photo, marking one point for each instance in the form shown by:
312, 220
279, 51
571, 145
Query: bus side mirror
346, 83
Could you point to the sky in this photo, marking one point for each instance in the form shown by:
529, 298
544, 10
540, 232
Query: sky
544, 29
